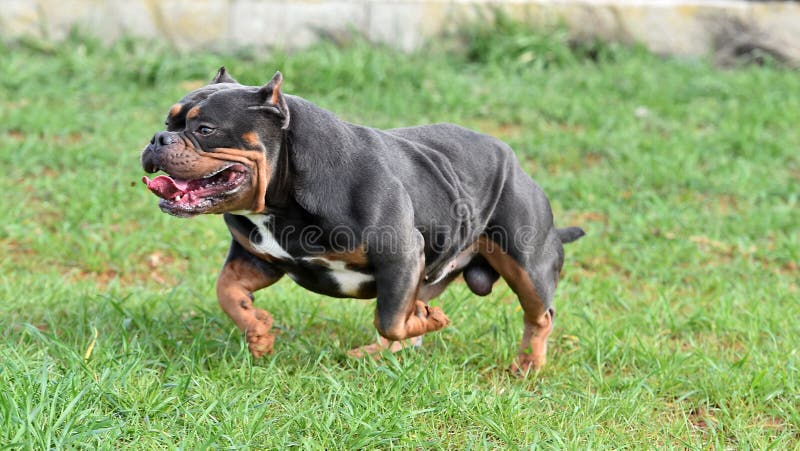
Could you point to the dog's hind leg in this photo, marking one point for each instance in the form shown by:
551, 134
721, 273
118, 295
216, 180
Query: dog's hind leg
241, 275
533, 279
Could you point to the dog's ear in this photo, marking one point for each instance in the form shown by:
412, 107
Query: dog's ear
223, 77
273, 99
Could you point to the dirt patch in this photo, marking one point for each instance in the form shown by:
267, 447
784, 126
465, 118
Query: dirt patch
701, 418
722, 204
155, 268
16, 250
503, 130
191, 85
580, 218
730, 346
595, 266
593, 159
720, 253
18, 135
69, 138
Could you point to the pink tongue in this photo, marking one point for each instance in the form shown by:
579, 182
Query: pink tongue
165, 186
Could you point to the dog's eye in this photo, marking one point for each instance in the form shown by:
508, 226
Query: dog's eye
205, 130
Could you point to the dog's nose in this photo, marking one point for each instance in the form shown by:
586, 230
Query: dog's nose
151, 155
149, 167
164, 139
150, 158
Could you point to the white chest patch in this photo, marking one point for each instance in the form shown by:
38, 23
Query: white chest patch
349, 281
268, 244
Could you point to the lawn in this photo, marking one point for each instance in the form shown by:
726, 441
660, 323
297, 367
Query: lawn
678, 317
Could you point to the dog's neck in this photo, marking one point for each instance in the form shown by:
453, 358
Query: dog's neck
280, 189
311, 147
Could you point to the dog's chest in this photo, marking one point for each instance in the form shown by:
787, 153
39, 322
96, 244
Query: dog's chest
299, 253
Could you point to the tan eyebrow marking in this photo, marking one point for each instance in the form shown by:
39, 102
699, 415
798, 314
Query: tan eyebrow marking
175, 109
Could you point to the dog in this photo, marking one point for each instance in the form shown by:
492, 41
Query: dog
352, 211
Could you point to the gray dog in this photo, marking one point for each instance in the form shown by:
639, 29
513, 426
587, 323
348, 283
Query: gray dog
352, 211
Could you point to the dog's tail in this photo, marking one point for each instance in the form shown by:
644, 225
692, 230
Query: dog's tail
570, 234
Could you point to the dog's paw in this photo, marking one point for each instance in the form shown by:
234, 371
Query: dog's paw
260, 343
264, 317
375, 349
437, 316
433, 317
260, 338
372, 349
525, 365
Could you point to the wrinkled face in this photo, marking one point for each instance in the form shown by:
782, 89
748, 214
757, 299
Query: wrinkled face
215, 152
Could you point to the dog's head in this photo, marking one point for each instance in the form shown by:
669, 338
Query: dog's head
218, 148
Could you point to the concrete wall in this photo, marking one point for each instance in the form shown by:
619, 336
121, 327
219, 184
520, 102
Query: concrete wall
682, 27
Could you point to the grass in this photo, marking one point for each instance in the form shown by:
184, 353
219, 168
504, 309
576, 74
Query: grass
677, 315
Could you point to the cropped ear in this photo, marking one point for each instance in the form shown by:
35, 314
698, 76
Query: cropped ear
223, 77
272, 98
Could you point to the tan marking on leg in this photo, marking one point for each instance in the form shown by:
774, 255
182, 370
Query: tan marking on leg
418, 318
533, 348
235, 286
538, 321
409, 325
421, 320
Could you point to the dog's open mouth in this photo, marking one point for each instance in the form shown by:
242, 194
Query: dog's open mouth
182, 197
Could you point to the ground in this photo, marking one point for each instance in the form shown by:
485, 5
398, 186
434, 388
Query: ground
677, 313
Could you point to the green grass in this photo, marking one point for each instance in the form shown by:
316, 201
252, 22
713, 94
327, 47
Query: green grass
677, 316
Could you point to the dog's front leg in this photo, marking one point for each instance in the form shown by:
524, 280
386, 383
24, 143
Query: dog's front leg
400, 314
241, 275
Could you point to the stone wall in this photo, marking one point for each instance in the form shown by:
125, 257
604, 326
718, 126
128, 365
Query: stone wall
679, 27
